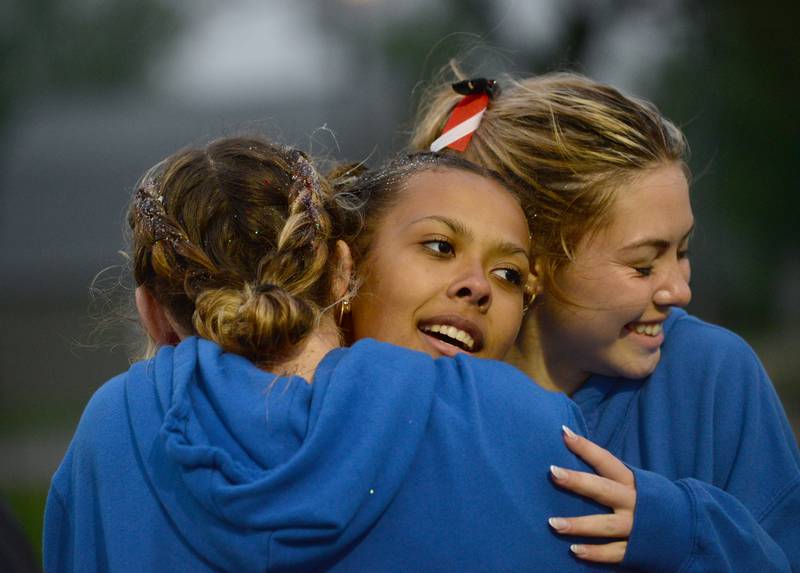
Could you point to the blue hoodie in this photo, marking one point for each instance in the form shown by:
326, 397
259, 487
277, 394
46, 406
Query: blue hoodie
719, 488
391, 461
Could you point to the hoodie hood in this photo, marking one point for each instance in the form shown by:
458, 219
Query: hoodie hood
258, 471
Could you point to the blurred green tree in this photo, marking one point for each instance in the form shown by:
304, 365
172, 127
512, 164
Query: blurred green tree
739, 75
62, 45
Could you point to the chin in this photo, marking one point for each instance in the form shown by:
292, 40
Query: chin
640, 367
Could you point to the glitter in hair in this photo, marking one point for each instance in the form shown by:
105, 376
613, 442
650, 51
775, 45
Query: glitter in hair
306, 186
150, 207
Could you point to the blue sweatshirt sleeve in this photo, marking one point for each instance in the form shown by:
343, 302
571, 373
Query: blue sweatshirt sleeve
688, 525
73, 532
749, 519
57, 533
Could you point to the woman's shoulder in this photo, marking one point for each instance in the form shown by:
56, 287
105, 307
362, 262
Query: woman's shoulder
496, 372
515, 395
465, 376
683, 324
106, 411
689, 338
703, 359
369, 354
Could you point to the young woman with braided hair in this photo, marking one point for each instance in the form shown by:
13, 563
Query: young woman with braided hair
605, 180
237, 252
220, 454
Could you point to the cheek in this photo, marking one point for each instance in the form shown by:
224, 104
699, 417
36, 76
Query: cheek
582, 330
604, 296
364, 320
507, 321
580, 290
384, 305
366, 309
686, 268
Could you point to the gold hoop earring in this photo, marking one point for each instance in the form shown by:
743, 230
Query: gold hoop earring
527, 304
344, 308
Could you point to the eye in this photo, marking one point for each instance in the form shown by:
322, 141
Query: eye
683, 254
644, 271
512, 276
440, 247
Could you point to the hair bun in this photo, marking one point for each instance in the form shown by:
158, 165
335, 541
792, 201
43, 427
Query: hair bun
257, 317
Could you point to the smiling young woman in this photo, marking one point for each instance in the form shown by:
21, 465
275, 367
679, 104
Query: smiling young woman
443, 274
605, 184
618, 289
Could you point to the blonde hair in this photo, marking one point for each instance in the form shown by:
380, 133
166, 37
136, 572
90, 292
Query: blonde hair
567, 142
234, 240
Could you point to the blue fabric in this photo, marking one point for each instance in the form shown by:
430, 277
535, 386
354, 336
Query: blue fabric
708, 421
391, 461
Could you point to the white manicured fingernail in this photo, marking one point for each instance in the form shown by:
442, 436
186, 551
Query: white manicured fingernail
557, 523
557, 472
569, 433
578, 550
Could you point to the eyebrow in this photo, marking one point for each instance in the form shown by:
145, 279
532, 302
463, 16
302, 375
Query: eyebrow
658, 244
459, 228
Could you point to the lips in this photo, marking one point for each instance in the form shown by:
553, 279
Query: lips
649, 335
646, 328
454, 331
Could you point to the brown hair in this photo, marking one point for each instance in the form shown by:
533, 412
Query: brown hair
569, 142
370, 194
233, 239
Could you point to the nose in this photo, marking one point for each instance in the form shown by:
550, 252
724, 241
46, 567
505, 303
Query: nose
675, 289
472, 286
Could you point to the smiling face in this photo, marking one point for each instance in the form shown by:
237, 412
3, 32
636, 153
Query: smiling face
623, 281
446, 268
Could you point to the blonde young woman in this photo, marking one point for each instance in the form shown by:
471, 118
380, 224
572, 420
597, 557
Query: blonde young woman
220, 454
606, 182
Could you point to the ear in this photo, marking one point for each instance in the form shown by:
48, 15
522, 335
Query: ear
530, 286
155, 318
534, 284
343, 274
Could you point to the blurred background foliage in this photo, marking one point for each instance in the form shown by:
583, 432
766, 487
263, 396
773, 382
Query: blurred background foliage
73, 46
95, 92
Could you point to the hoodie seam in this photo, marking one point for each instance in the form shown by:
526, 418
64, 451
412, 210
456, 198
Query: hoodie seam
269, 552
777, 498
692, 557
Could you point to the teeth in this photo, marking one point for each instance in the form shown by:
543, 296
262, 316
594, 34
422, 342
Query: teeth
648, 329
451, 332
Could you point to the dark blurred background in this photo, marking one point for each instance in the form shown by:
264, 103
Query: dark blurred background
93, 93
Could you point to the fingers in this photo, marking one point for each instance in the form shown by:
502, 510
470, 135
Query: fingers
604, 525
608, 553
614, 487
603, 462
603, 490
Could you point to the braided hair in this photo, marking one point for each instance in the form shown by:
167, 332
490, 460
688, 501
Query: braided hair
234, 241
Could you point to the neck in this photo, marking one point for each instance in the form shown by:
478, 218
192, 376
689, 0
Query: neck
311, 351
544, 362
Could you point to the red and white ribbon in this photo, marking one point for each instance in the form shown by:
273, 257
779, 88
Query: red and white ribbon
462, 123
